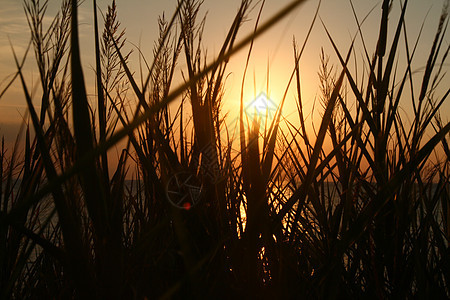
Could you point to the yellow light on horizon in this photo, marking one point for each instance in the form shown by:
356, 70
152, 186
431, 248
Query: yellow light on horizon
261, 107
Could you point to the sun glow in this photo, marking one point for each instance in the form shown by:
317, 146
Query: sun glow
261, 109
261, 106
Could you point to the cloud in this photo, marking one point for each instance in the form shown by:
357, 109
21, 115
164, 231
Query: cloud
6, 53
12, 19
10, 130
14, 30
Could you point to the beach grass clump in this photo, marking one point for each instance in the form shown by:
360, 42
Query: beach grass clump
180, 213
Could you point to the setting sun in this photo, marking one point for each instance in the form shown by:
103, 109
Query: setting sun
261, 107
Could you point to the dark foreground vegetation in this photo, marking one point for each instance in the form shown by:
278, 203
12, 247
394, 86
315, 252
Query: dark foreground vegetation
265, 213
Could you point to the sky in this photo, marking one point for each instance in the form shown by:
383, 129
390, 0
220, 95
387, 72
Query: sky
272, 51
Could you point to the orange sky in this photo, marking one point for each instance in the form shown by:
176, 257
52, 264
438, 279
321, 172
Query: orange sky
274, 49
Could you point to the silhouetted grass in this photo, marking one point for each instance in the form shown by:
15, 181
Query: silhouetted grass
281, 218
